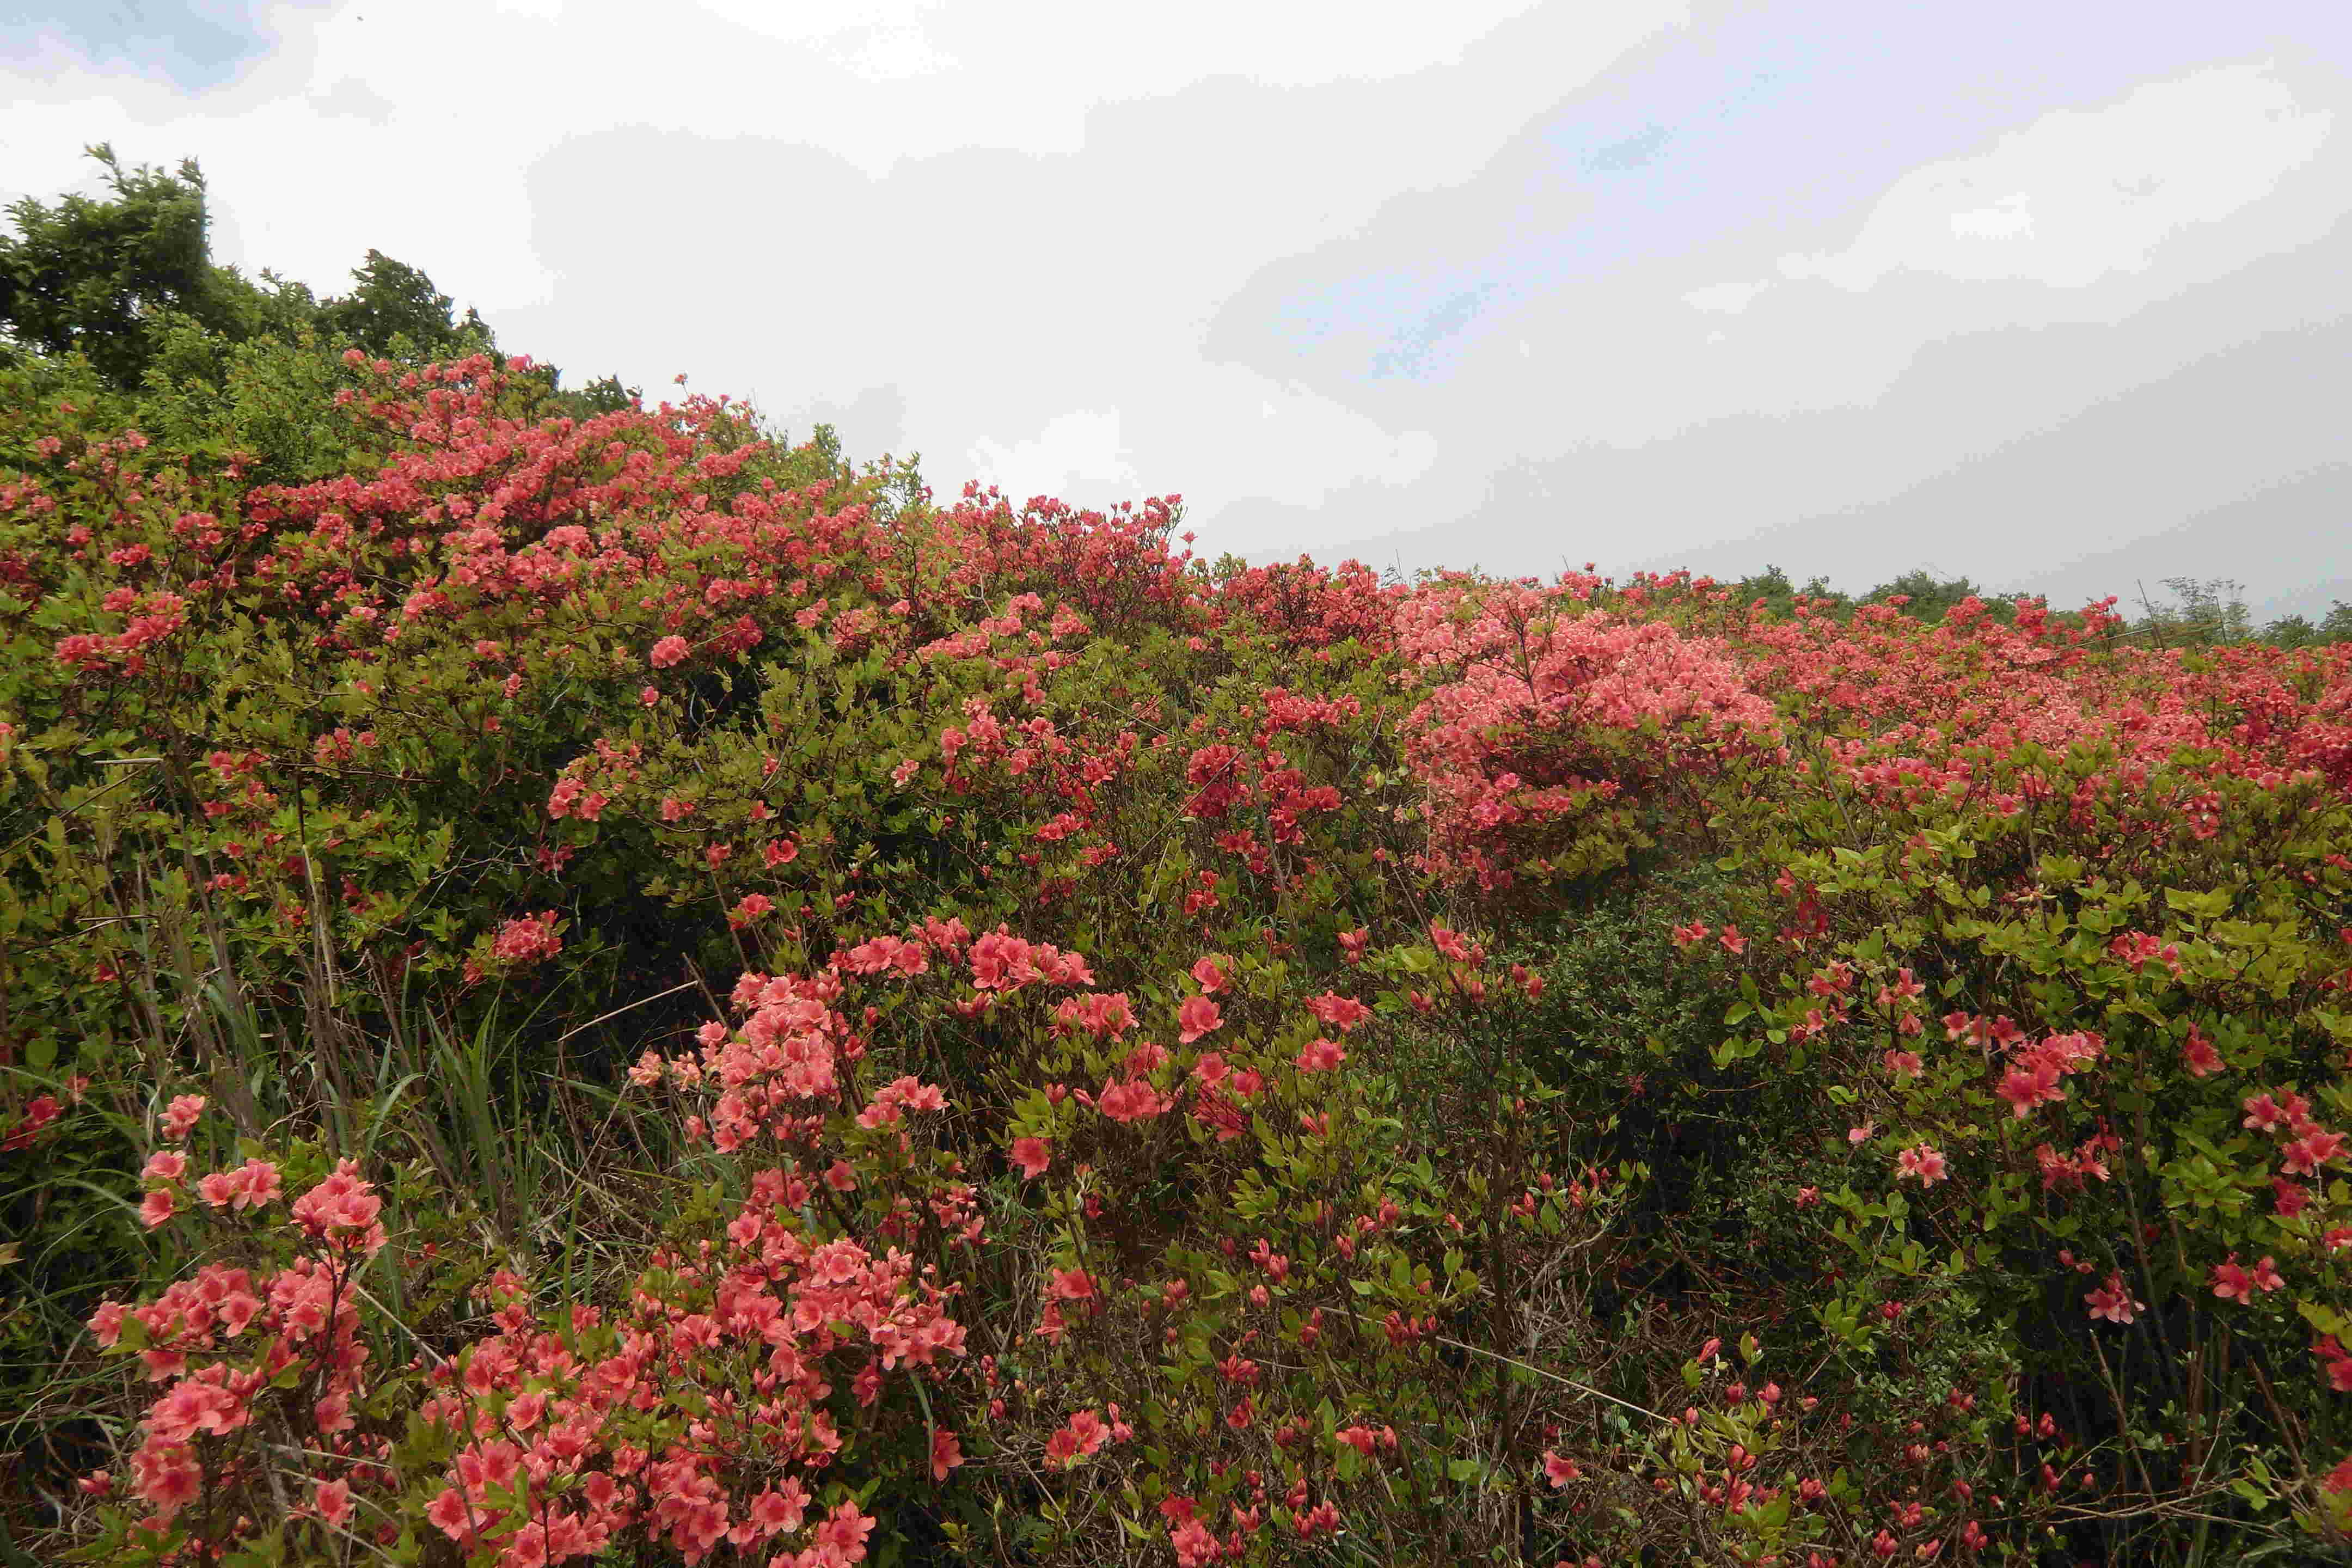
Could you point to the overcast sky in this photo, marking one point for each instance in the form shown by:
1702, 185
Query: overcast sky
2051, 293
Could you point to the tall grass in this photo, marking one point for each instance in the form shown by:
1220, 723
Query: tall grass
519, 1155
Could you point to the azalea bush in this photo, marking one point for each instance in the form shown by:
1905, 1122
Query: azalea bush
587, 983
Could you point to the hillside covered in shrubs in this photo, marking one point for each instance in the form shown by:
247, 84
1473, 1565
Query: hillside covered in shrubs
585, 984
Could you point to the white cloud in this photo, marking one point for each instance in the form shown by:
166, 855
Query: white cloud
2082, 194
304, 185
355, 98
1132, 52
2007, 218
1079, 457
893, 54
1726, 299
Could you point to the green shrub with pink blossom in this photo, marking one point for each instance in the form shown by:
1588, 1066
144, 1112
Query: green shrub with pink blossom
592, 985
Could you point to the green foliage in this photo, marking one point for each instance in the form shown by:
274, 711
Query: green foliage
216, 362
1925, 596
1779, 594
92, 276
396, 312
2206, 613
2300, 631
269, 398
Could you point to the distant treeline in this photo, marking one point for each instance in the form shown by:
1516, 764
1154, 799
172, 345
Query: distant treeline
2198, 613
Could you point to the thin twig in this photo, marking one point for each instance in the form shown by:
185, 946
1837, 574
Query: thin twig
1524, 1366
681, 985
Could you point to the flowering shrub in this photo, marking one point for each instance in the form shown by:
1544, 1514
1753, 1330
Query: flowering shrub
601, 987
1545, 713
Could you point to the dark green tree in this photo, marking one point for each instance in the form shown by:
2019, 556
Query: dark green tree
1779, 594
2301, 631
122, 277
605, 395
98, 276
1928, 596
397, 306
